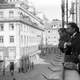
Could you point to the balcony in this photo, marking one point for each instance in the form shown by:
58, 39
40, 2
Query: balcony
20, 19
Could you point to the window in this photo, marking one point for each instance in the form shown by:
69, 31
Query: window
54, 25
59, 25
11, 39
48, 31
25, 39
11, 26
1, 39
1, 27
21, 38
11, 14
1, 14
54, 37
12, 52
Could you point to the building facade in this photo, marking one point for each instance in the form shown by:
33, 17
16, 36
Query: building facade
20, 31
52, 35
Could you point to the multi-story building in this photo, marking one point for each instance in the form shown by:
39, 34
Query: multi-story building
52, 35
20, 31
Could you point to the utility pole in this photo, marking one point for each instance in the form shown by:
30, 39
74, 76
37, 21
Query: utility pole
66, 11
63, 12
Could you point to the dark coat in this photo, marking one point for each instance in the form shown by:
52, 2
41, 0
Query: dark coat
75, 48
75, 43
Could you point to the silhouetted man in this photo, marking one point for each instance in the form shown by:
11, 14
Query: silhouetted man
74, 43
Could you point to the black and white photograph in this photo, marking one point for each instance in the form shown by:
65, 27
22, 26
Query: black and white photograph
39, 39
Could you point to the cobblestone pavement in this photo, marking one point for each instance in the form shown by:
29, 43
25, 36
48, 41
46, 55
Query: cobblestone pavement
48, 68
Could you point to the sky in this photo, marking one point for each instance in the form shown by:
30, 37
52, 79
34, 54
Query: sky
51, 8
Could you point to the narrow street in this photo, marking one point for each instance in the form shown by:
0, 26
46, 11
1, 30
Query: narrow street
48, 67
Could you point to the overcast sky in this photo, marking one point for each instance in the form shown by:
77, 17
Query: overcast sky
51, 8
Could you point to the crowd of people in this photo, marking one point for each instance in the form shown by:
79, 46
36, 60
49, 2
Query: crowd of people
25, 64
